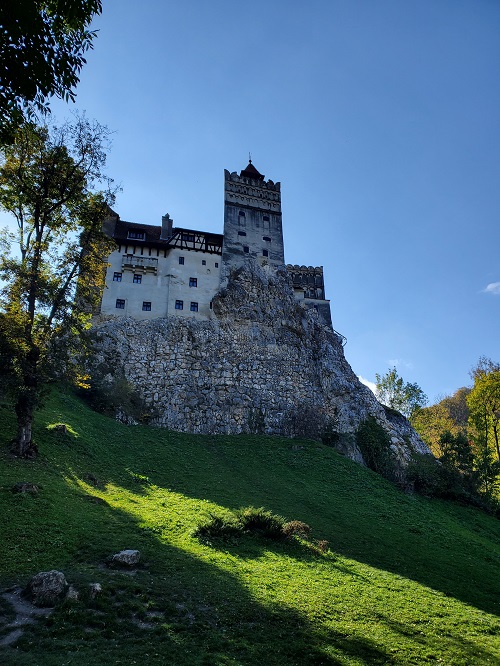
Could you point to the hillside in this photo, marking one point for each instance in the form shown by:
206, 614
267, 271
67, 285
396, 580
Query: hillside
406, 580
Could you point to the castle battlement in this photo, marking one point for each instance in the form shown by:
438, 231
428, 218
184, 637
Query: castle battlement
157, 271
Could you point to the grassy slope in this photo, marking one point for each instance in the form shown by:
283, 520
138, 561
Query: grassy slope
407, 580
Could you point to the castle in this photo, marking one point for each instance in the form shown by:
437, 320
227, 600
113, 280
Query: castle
216, 335
160, 271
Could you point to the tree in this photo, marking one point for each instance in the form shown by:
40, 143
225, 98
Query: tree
51, 282
430, 423
484, 366
403, 396
42, 46
449, 414
484, 421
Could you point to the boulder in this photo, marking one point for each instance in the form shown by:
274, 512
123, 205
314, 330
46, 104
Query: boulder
46, 588
95, 590
72, 594
125, 558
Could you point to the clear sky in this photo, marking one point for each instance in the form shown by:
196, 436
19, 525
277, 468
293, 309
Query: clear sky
381, 119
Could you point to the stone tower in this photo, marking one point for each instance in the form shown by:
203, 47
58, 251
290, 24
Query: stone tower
252, 221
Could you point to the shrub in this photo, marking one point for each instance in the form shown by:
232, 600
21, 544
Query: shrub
112, 394
322, 545
218, 527
262, 522
297, 528
374, 444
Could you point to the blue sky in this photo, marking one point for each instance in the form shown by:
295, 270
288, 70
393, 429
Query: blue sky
381, 119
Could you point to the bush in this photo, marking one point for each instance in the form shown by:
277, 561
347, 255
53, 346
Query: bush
218, 527
433, 478
262, 522
374, 444
297, 528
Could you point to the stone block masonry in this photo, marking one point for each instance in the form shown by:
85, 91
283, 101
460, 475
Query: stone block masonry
261, 364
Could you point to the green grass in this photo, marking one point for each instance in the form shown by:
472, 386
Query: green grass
407, 580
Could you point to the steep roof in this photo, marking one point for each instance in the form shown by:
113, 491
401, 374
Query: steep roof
251, 172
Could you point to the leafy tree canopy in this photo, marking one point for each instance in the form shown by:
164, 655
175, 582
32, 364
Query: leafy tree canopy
52, 264
484, 429
42, 43
403, 396
450, 414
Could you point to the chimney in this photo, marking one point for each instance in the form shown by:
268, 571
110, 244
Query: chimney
166, 227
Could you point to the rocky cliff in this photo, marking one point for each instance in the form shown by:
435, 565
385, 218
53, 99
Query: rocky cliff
263, 364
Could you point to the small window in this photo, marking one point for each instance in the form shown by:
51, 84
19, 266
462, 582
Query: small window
246, 249
242, 233
241, 213
120, 303
146, 305
203, 262
117, 277
181, 261
266, 238
137, 279
211, 305
266, 218
193, 282
216, 264
265, 253
194, 306
179, 305
187, 237
136, 235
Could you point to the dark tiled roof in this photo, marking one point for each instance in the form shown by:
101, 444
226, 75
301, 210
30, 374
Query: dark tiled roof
251, 172
152, 231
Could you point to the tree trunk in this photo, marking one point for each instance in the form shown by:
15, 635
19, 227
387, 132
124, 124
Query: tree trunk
497, 444
24, 446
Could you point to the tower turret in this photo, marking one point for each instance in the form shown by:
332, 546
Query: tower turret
252, 220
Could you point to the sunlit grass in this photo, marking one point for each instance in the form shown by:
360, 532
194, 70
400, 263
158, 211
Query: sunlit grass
406, 580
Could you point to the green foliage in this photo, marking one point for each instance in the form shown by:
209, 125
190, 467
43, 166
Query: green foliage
53, 277
219, 527
114, 395
374, 444
250, 520
456, 453
42, 46
449, 415
406, 579
261, 522
297, 528
402, 396
484, 425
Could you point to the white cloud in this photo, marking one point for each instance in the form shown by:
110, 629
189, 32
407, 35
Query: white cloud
400, 362
371, 385
493, 288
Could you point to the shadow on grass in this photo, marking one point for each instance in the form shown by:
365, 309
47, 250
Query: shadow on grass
362, 516
175, 608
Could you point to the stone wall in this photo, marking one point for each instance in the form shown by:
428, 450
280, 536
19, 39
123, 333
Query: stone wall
263, 364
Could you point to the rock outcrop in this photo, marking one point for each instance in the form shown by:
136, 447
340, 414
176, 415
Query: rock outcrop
263, 364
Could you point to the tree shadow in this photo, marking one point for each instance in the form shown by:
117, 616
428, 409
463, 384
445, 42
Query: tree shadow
173, 608
416, 538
